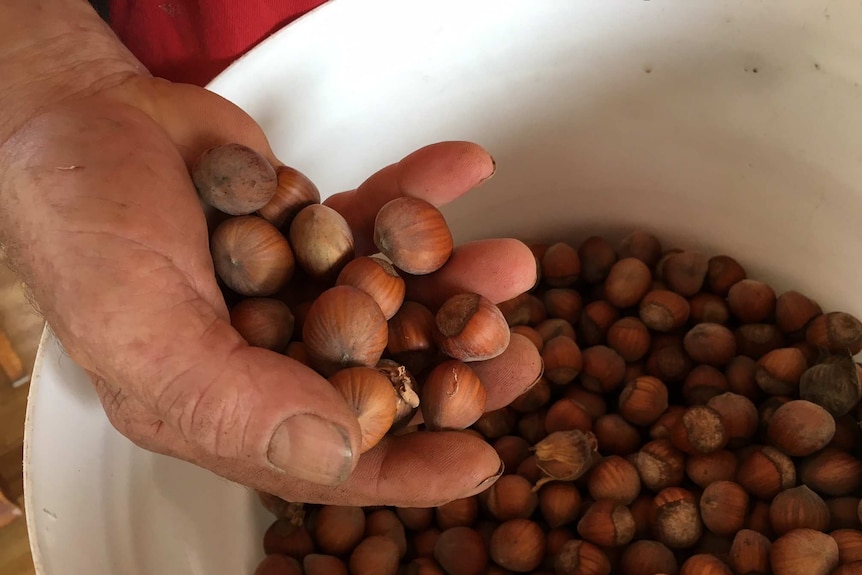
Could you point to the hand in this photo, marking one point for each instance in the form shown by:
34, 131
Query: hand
103, 223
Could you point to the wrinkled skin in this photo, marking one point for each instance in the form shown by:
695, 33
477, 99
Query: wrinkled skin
102, 222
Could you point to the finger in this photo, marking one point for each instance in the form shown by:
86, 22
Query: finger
498, 269
421, 469
438, 173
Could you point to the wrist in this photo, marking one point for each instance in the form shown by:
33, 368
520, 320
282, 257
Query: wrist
56, 51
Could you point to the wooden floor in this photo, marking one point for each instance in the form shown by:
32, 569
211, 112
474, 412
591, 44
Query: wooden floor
23, 326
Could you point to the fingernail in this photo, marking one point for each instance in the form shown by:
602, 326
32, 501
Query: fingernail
313, 449
493, 170
486, 483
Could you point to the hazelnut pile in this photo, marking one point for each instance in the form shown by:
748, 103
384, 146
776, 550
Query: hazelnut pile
688, 421
288, 267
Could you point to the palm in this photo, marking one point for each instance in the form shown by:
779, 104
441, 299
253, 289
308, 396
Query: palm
121, 267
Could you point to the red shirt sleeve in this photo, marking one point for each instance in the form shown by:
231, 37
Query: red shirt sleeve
194, 40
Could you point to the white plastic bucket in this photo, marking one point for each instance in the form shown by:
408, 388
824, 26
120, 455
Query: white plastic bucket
728, 126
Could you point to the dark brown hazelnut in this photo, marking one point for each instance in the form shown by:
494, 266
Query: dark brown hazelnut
685, 272
457, 513
779, 371
234, 179
560, 503
765, 472
461, 551
563, 303
614, 479
722, 273
796, 508
603, 369
803, 552
511, 497
561, 265
831, 472
710, 343
663, 310
285, 537
836, 332
518, 545
630, 338
709, 308
647, 558
643, 400
562, 359
724, 507
627, 282
615, 435
738, 415
800, 428
581, 558
702, 384
641, 245
566, 414
794, 311
597, 256
596, 319
660, 465
607, 523
749, 553
716, 466
833, 384
751, 301
741, 379
757, 339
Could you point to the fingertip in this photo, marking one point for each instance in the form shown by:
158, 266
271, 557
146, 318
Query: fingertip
444, 171
511, 373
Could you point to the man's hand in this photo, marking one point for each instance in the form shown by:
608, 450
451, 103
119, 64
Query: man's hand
101, 219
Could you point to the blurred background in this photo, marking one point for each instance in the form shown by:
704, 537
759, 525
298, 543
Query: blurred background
20, 331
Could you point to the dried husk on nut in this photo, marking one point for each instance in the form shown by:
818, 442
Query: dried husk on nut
565, 455
406, 389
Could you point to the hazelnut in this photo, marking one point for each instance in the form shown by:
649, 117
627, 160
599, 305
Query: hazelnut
723, 272
854, 568
685, 272
424, 542
702, 384
457, 513
749, 553
641, 510
321, 240
378, 278
849, 544
751, 301
293, 192
563, 360
627, 282
529, 470
338, 529
603, 369
512, 451
794, 311
630, 338
285, 537
516, 311
614, 479
298, 351
615, 435
675, 519
647, 558
738, 416
643, 400
424, 566
519, 364
768, 408
659, 464
668, 361
836, 332
757, 339
554, 327
511, 497
531, 334
344, 328
386, 523
581, 558
607, 523
370, 394
251, 256
741, 379
538, 249
800, 428
263, 322
803, 552
810, 352
234, 179
843, 513
415, 518
497, 423
316, 564
413, 234
709, 308
765, 472
518, 545
663, 310
461, 551
710, 343
560, 503
411, 329
596, 319
563, 303
376, 555
700, 430
704, 470
452, 397
758, 519
278, 565
565, 455
534, 398
471, 328
531, 426
561, 265
723, 507
593, 403
831, 472
641, 245
833, 384
597, 257
661, 429
703, 564
779, 371
566, 414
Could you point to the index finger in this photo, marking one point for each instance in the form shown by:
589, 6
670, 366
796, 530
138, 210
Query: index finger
437, 173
